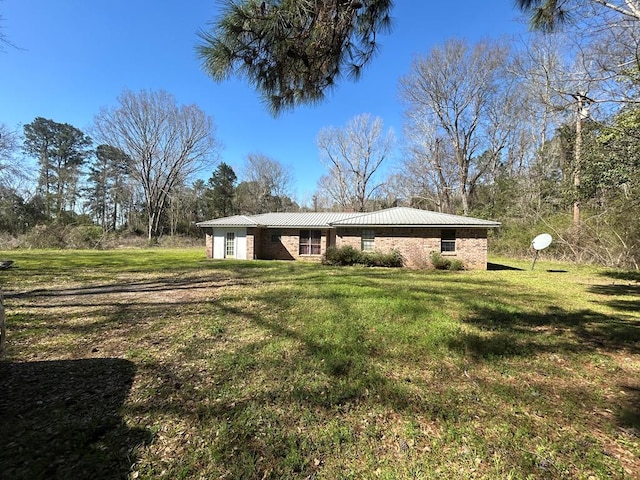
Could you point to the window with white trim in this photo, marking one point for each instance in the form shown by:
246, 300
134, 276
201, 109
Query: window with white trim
368, 240
310, 241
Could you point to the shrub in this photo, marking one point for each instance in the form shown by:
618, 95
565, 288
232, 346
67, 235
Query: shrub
441, 263
456, 264
84, 236
379, 259
45, 236
59, 236
348, 255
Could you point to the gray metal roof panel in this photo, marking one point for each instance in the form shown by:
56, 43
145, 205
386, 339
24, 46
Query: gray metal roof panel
234, 221
300, 219
404, 216
398, 217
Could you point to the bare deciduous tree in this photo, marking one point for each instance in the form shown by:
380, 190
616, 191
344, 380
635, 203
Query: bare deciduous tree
604, 38
612, 59
10, 168
266, 185
454, 89
167, 144
354, 156
4, 40
427, 171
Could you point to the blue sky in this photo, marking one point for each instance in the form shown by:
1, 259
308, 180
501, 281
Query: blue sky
77, 56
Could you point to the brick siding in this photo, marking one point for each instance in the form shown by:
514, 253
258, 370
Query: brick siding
209, 243
288, 247
416, 244
252, 241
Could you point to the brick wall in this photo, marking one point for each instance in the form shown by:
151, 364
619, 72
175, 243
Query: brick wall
472, 245
209, 243
252, 242
416, 244
287, 247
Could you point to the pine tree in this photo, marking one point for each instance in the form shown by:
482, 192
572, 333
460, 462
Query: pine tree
292, 51
223, 187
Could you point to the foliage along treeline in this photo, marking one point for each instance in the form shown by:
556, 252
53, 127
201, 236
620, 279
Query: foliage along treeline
139, 183
79, 184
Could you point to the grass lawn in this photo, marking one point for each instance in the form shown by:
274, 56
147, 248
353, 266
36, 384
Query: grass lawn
162, 364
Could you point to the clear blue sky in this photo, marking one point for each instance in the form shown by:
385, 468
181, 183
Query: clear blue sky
77, 56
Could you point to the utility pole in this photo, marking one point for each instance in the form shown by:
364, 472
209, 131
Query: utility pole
582, 113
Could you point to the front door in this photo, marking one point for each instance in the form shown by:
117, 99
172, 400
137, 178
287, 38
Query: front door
230, 245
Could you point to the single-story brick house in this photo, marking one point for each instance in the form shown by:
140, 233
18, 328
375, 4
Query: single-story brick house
306, 235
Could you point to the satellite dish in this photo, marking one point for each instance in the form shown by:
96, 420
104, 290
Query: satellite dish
541, 242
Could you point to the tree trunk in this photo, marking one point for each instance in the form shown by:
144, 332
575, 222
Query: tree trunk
576, 168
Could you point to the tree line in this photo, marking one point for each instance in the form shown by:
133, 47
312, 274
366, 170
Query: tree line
140, 176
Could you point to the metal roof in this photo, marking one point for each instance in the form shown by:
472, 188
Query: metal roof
411, 217
235, 221
301, 219
392, 217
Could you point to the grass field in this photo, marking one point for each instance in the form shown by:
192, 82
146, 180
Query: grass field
162, 364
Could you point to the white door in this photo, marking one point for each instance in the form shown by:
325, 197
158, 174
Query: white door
230, 243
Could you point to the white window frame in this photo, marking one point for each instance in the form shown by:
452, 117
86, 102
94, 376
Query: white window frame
368, 240
311, 240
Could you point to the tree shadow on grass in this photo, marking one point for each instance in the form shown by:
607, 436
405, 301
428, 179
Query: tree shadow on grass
507, 334
61, 419
161, 284
630, 304
555, 331
630, 276
629, 414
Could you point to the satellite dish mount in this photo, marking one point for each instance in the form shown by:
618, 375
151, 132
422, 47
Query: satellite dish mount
541, 242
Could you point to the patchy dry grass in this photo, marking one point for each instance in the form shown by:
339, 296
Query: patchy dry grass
161, 364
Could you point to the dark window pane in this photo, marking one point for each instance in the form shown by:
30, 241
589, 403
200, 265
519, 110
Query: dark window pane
448, 241
310, 242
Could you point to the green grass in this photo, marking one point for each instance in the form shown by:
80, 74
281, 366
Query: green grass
162, 364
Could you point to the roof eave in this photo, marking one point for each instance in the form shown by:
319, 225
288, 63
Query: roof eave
297, 226
226, 225
417, 225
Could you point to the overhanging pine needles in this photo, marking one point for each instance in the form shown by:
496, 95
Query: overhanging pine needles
293, 51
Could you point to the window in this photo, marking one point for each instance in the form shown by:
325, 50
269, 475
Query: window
310, 242
448, 241
230, 250
368, 240
275, 236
